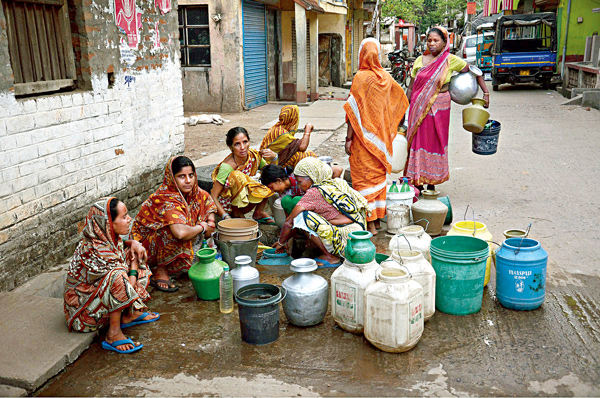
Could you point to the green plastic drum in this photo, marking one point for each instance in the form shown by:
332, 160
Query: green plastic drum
459, 263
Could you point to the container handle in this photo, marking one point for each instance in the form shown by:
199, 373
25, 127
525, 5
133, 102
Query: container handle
523, 238
465, 218
422, 219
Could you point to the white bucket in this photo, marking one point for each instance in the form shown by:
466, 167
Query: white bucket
278, 213
398, 216
399, 198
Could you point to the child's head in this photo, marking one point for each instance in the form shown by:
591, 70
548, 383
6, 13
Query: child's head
275, 177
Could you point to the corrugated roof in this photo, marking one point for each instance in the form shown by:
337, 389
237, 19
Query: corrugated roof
310, 5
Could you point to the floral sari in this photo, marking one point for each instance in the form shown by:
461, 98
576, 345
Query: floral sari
97, 281
428, 123
281, 138
240, 189
169, 206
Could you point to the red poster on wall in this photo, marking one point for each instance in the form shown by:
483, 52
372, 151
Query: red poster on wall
163, 5
128, 20
471, 8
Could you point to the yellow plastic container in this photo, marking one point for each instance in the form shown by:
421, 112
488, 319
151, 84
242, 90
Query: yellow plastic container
478, 230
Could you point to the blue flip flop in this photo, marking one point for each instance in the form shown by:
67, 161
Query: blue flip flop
326, 264
140, 320
113, 346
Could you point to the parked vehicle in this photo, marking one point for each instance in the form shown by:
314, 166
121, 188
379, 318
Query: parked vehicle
467, 50
401, 66
525, 49
485, 41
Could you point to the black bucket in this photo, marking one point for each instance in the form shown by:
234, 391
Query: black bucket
259, 312
486, 142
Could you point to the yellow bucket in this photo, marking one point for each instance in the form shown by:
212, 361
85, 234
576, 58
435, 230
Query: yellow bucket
478, 230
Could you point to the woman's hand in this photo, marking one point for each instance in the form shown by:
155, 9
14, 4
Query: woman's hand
268, 154
308, 128
138, 252
347, 146
279, 247
486, 97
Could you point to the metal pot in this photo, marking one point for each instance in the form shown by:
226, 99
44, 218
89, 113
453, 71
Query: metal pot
463, 87
307, 294
244, 273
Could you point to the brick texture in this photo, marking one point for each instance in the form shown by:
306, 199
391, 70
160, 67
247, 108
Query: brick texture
60, 152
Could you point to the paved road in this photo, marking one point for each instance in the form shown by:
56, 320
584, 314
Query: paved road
545, 173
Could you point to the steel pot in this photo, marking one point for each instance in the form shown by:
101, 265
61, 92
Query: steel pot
463, 87
307, 294
244, 273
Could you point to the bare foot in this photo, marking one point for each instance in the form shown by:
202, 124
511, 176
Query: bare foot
377, 224
260, 214
371, 227
111, 338
330, 258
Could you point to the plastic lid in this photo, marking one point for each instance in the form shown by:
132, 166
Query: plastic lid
405, 179
226, 267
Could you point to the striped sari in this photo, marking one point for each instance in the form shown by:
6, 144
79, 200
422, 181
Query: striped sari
375, 108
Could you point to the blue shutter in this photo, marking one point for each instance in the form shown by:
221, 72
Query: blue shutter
255, 54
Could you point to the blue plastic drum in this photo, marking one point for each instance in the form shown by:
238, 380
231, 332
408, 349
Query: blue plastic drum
521, 274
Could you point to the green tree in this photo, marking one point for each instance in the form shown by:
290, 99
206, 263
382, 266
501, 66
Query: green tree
423, 13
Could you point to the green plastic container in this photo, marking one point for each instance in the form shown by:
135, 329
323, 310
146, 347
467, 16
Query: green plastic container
459, 263
205, 273
380, 257
359, 248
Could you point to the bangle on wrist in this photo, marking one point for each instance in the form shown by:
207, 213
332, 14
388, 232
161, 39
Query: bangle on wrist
486, 93
133, 272
279, 243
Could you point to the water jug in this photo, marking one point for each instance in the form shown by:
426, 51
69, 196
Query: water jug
307, 294
398, 216
205, 274
432, 210
423, 273
348, 284
400, 153
359, 248
463, 87
244, 273
394, 311
412, 237
521, 273
478, 230
475, 116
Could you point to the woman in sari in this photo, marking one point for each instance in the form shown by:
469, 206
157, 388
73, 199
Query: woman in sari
328, 212
429, 114
171, 219
234, 191
107, 279
374, 110
280, 145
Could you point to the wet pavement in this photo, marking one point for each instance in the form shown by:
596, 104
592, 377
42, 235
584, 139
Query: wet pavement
544, 172
194, 350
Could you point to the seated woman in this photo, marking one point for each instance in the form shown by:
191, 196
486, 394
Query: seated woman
282, 180
328, 211
233, 190
107, 279
280, 144
171, 219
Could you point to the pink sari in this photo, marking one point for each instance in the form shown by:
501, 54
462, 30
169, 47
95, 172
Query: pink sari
428, 124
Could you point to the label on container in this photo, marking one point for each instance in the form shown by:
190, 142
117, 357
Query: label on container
416, 319
345, 302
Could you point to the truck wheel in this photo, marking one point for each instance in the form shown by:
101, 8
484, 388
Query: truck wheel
546, 84
494, 84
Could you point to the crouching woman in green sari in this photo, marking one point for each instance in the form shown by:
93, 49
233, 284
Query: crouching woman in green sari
328, 211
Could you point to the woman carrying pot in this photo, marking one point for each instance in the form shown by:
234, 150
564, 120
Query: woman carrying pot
328, 212
234, 191
429, 114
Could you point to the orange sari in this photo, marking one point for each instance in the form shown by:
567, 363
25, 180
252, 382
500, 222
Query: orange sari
169, 206
375, 108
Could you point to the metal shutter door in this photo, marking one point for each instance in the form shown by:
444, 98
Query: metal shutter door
256, 82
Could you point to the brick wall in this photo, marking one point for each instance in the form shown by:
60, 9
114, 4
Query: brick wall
112, 136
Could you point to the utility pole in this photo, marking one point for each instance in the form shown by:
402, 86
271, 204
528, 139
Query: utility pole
374, 21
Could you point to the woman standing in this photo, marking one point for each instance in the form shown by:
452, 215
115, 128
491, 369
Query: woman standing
429, 115
107, 279
233, 190
374, 110
328, 211
171, 219
280, 144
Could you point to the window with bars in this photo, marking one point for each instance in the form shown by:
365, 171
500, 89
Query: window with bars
194, 35
39, 44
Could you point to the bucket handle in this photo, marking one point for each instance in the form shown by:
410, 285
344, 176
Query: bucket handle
401, 265
398, 246
523, 238
465, 218
422, 219
492, 254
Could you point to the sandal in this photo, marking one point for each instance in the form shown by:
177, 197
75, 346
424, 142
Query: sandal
265, 220
169, 282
